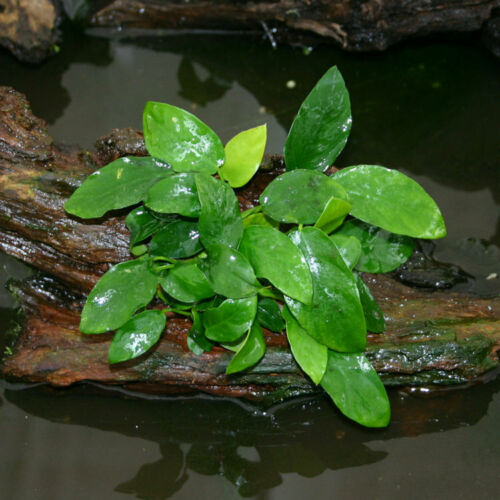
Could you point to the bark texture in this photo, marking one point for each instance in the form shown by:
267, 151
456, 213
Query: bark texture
352, 24
432, 337
28, 28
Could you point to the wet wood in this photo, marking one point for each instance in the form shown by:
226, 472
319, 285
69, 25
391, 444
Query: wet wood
432, 337
351, 24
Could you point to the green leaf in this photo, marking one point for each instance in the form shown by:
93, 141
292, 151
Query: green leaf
381, 251
244, 154
333, 215
356, 389
181, 139
196, 340
137, 336
349, 248
220, 219
259, 220
322, 125
300, 196
374, 316
311, 356
269, 315
391, 200
186, 283
335, 317
230, 320
275, 258
125, 288
175, 195
230, 273
142, 225
180, 239
250, 352
122, 183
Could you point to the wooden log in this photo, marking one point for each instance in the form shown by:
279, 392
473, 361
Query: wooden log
353, 25
432, 337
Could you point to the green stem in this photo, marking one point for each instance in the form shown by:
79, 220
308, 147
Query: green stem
176, 311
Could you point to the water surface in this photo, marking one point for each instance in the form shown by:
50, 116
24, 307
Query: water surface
429, 108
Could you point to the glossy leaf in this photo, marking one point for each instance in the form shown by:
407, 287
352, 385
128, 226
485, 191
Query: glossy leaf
244, 154
122, 183
311, 356
333, 215
259, 219
125, 288
275, 258
300, 196
186, 283
220, 219
374, 316
175, 195
335, 317
356, 389
180, 239
349, 247
250, 352
229, 321
269, 315
196, 340
137, 336
381, 251
322, 125
181, 139
142, 224
230, 273
391, 200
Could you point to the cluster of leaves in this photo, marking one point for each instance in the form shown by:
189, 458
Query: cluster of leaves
291, 262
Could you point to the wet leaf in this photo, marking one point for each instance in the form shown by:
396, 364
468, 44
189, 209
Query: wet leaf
269, 315
250, 351
335, 317
196, 340
311, 356
229, 321
356, 389
180, 239
125, 288
275, 258
244, 154
374, 316
322, 125
259, 220
381, 251
391, 200
186, 283
333, 215
122, 183
220, 219
175, 195
300, 196
137, 336
230, 273
181, 139
142, 224
349, 248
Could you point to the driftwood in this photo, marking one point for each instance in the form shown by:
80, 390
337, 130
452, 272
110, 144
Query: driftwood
433, 337
29, 28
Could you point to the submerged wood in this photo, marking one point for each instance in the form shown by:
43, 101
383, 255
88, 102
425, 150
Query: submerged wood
432, 337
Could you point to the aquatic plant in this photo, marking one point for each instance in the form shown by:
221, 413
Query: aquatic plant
291, 263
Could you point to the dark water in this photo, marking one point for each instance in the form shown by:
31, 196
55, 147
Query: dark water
431, 109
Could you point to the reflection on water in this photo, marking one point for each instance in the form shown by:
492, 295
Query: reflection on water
253, 449
431, 109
